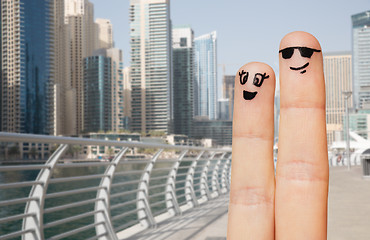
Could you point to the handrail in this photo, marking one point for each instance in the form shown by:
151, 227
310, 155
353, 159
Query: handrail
110, 198
19, 137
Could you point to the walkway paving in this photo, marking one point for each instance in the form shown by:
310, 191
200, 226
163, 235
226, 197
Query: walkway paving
349, 213
349, 205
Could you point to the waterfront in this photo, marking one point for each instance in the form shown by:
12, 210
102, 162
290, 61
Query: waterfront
79, 195
348, 215
60, 173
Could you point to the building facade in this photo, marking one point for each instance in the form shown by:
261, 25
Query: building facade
80, 37
361, 58
205, 97
151, 75
359, 122
117, 88
220, 131
127, 110
228, 92
60, 65
104, 31
223, 109
338, 78
98, 94
183, 80
104, 91
26, 66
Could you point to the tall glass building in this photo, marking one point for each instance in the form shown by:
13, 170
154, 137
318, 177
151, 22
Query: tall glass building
205, 48
183, 79
26, 74
150, 38
361, 58
97, 94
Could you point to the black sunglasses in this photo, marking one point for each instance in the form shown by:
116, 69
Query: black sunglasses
305, 52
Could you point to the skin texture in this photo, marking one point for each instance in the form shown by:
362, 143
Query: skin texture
252, 176
296, 206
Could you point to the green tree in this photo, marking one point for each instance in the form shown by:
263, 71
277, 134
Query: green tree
110, 152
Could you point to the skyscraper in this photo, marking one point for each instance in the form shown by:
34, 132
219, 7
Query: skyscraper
228, 92
104, 33
361, 58
150, 38
80, 37
205, 48
98, 94
127, 110
338, 78
183, 79
60, 63
117, 88
103, 91
26, 75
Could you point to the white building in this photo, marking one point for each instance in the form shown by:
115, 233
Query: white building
338, 78
76, 41
150, 38
104, 33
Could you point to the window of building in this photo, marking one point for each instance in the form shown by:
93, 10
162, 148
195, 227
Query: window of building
182, 42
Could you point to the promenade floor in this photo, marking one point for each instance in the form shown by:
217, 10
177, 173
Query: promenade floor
348, 214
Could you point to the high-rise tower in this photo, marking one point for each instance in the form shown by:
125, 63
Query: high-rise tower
104, 33
338, 78
206, 75
150, 38
26, 75
228, 92
183, 79
103, 95
361, 58
80, 37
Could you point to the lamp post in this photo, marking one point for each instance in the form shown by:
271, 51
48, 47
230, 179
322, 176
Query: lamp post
347, 95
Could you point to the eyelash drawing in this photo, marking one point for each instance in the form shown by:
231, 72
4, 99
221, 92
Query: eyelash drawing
244, 79
259, 78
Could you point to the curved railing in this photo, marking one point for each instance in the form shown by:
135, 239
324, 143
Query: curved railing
76, 194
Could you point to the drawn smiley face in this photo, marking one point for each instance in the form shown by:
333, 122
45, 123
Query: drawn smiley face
305, 52
257, 81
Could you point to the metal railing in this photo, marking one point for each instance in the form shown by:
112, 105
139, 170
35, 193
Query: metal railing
98, 189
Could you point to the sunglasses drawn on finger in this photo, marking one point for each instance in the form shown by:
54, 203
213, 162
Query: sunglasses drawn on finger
305, 52
258, 80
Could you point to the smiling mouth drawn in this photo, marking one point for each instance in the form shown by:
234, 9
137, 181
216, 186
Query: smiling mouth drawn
249, 95
300, 68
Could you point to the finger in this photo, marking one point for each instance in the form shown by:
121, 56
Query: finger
251, 209
302, 166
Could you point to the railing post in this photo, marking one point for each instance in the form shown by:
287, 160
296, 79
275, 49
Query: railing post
204, 189
104, 205
171, 199
215, 177
143, 206
35, 223
225, 169
189, 184
228, 172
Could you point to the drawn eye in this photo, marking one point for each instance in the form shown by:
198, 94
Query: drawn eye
244, 79
259, 78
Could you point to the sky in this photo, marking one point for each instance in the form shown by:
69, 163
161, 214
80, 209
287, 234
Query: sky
248, 30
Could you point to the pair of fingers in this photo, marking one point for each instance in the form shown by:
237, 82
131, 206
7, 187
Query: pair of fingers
292, 205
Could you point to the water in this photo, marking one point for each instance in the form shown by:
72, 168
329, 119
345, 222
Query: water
59, 172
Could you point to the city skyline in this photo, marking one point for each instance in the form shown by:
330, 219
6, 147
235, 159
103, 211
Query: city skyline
250, 24
80, 32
